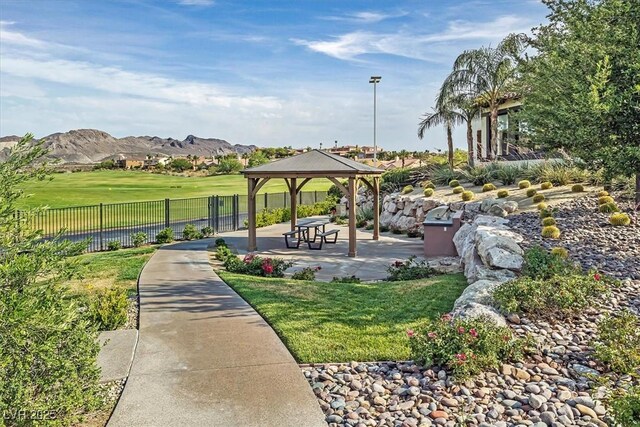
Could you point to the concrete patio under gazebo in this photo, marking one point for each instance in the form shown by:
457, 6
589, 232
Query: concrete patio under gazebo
305, 167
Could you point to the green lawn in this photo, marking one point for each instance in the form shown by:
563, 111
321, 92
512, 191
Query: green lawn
339, 322
88, 188
108, 269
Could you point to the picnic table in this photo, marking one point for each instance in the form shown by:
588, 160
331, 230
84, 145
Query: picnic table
302, 233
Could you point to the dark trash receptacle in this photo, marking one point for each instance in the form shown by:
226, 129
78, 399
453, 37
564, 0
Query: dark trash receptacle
440, 225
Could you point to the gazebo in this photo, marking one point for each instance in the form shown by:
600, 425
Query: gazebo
302, 168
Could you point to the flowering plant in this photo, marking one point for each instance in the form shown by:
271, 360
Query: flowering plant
307, 273
255, 265
465, 346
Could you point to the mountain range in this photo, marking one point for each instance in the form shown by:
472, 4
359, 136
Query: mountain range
88, 146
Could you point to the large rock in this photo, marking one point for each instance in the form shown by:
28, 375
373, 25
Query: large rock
392, 207
419, 214
474, 310
461, 236
428, 204
482, 272
510, 206
409, 208
498, 211
487, 203
385, 218
501, 258
498, 247
479, 292
445, 265
406, 223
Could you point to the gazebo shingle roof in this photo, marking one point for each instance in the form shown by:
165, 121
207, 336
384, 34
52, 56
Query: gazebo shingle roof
315, 162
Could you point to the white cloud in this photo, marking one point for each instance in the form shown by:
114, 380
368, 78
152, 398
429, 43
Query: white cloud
196, 2
12, 37
366, 17
411, 45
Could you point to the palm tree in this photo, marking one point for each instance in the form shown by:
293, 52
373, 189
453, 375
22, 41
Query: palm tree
468, 110
403, 155
444, 114
487, 75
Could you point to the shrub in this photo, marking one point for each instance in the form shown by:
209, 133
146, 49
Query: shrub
577, 188
551, 232
428, 184
190, 232
407, 189
409, 270
560, 295
138, 239
396, 176
384, 228
488, 187
524, 184
307, 273
223, 252
503, 193
620, 219
531, 192
334, 192
220, 242
480, 175
625, 408
207, 231
465, 346
546, 213
361, 223
605, 199
538, 198
454, 183
114, 245
443, 175
542, 206
542, 264
617, 343
467, 196
369, 227
546, 222
428, 192
608, 208
414, 234
458, 190
546, 185
108, 308
165, 236
345, 279
254, 265
508, 174
560, 252
602, 193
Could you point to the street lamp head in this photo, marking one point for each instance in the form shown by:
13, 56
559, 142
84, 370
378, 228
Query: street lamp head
375, 79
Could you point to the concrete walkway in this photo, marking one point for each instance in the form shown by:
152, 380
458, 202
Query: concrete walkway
205, 357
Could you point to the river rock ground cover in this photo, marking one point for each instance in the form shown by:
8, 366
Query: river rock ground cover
555, 386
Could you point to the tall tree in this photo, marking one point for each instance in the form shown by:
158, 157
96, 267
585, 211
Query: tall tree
468, 109
444, 114
583, 86
487, 75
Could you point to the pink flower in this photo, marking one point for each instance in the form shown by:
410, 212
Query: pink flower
461, 357
473, 333
461, 330
446, 317
410, 333
267, 268
432, 335
248, 258
597, 277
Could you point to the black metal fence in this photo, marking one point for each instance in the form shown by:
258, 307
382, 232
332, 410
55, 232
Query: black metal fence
118, 221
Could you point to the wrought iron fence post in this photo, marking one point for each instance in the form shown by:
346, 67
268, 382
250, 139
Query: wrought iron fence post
266, 198
216, 214
101, 228
315, 196
211, 210
234, 212
166, 213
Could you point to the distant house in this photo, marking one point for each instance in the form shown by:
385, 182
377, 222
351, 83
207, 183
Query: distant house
124, 162
364, 152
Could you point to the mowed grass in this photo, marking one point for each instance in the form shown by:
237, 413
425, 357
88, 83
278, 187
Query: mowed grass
108, 269
90, 188
340, 322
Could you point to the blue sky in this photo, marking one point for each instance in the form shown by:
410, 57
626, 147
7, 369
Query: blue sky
268, 73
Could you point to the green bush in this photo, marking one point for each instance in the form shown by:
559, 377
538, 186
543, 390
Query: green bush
207, 231
165, 236
254, 265
220, 242
617, 343
345, 279
524, 184
560, 252
384, 228
546, 222
443, 175
625, 408
428, 184
508, 174
620, 219
336, 193
396, 176
114, 245
465, 346
531, 192
223, 252
458, 190
467, 196
138, 239
608, 208
538, 198
546, 213
480, 175
546, 185
108, 308
488, 187
307, 273
407, 189
577, 188
551, 232
190, 232
502, 194
409, 270
428, 192
558, 295
454, 183
602, 200
542, 264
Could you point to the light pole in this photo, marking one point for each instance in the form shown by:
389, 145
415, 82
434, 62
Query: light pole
375, 80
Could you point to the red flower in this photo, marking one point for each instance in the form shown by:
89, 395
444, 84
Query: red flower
596, 277
399, 263
446, 317
432, 335
410, 333
248, 258
318, 268
473, 333
461, 357
267, 268
461, 330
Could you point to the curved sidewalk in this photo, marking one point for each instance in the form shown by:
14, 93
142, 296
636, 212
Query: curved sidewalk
205, 357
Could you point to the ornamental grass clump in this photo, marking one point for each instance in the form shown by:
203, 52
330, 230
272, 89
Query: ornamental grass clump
467, 196
524, 184
428, 192
488, 187
538, 198
548, 221
608, 208
458, 190
577, 188
502, 194
605, 199
531, 192
454, 183
620, 219
617, 343
550, 232
546, 185
465, 346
